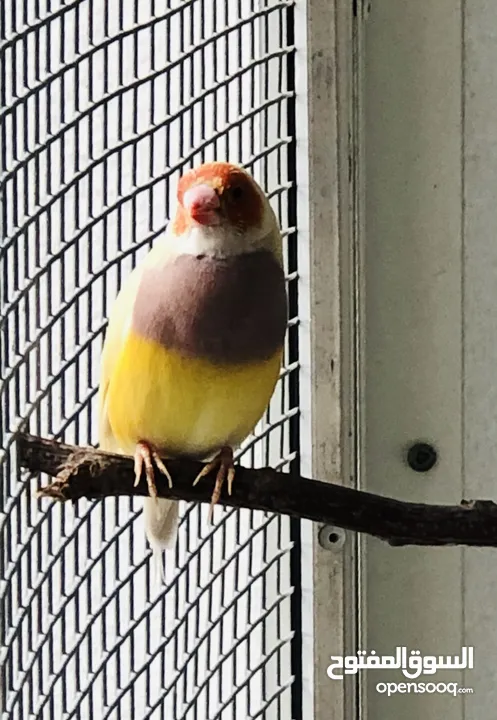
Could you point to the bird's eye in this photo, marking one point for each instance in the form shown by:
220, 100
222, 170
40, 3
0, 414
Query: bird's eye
236, 192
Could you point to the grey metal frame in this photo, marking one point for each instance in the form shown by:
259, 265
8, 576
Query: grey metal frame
330, 136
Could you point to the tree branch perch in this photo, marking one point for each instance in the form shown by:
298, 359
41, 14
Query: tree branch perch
90, 473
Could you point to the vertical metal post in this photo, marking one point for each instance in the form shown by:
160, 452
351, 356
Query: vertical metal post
329, 136
293, 357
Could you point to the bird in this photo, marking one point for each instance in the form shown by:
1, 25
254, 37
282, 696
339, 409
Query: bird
195, 339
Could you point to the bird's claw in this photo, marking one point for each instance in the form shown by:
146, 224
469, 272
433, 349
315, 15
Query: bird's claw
223, 461
146, 455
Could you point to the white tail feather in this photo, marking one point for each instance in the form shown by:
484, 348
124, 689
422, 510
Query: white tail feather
161, 528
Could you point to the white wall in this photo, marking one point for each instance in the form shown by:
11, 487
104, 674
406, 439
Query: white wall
431, 329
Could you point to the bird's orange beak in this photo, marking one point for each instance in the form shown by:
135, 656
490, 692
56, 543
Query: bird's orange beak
202, 203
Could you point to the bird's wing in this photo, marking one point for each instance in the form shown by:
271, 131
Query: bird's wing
117, 330
119, 321
161, 516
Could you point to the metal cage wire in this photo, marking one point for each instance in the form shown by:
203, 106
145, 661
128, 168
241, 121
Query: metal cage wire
103, 105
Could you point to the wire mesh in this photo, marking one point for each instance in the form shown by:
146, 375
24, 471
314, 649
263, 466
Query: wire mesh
103, 104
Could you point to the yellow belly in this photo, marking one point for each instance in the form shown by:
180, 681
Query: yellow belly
185, 405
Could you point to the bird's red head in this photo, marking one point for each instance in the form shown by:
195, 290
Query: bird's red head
218, 193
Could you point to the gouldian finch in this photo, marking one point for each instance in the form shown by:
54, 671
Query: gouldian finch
195, 339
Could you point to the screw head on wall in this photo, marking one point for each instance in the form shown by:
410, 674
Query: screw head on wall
421, 457
331, 537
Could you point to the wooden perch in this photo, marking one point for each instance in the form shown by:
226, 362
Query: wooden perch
89, 473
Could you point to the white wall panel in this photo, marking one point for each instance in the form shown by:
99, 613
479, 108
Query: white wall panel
480, 337
414, 359
431, 331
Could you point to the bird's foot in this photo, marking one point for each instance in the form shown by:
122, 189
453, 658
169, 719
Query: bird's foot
225, 471
146, 455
